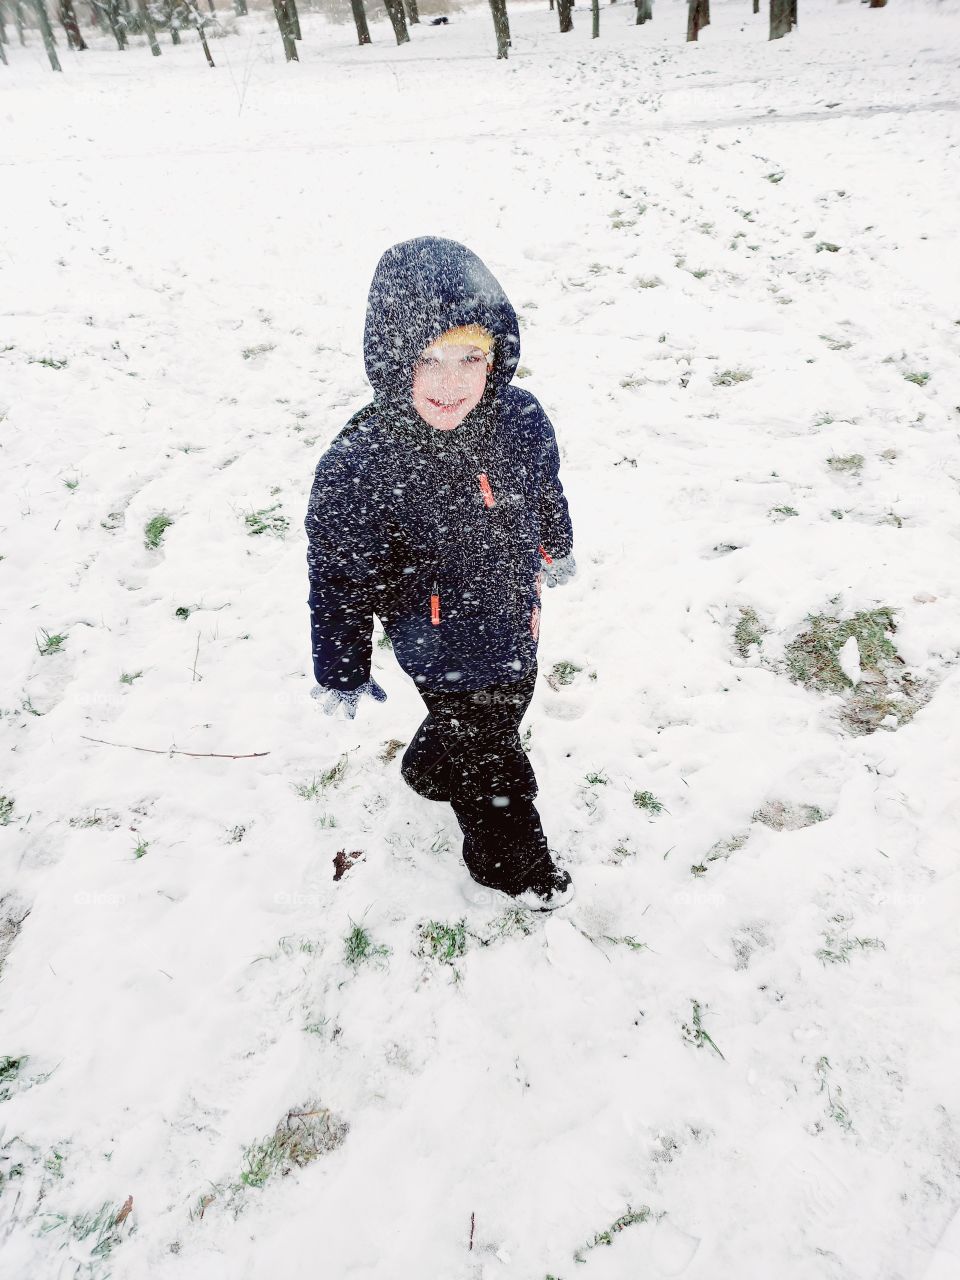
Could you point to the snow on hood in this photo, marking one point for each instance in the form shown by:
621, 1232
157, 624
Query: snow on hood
420, 289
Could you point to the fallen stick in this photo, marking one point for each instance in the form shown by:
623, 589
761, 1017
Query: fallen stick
173, 751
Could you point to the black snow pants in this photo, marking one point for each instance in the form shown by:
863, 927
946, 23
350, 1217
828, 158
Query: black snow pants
468, 752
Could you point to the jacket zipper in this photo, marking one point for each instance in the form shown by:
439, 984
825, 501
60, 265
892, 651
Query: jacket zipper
435, 605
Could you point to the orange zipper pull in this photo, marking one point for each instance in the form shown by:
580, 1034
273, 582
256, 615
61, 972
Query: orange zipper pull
548, 558
485, 489
435, 606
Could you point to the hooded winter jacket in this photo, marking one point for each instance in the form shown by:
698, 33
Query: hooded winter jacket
437, 533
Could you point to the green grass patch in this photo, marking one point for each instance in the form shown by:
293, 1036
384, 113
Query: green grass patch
51, 644
782, 513
359, 947
445, 943
265, 521
812, 658
730, 377
562, 673
748, 632
154, 530
849, 463
694, 1031
647, 801
778, 815
918, 379
304, 1134
839, 944
6, 810
629, 1219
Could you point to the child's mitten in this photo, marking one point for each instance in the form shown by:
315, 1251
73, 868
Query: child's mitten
331, 699
557, 572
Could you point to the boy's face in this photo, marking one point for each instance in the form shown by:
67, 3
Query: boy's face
448, 382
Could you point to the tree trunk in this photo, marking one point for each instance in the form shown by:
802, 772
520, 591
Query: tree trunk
48, 41
756, 6
68, 20
240, 8
877, 4
695, 17
360, 18
3, 40
595, 31
704, 13
779, 18
793, 13
150, 28
501, 26
413, 13
394, 10
198, 23
293, 18
566, 17
286, 31
644, 11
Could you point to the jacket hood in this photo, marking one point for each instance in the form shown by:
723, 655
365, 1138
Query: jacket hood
420, 289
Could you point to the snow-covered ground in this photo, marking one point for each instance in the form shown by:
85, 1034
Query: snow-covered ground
183, 270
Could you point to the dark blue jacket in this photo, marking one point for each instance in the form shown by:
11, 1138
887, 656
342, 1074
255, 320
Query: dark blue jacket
436, 532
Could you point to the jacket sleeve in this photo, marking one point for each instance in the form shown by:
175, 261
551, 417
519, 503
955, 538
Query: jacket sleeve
555, 525
342, 567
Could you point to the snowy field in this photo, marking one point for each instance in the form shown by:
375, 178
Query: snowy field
736, 266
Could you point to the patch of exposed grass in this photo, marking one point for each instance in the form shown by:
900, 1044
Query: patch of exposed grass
259, 349
782, 816
102, 1229
562, 673
9, 1067
694, 1032
319, 783
596, 778
49, 362
264, 521
836, 344
839, 944
848, 464
6, 810
628, 1219
359, 947
301, 1136
724, 848
748, 632
835, 1107
918, 379
128, 677
154, 530
730, 377
647, 282
827, 246
443, 942
812, 658
647, 801
51, 644
140, 848
782, 513
626, 940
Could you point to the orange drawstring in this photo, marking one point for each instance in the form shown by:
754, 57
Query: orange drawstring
548, 558
435, 606
485, 489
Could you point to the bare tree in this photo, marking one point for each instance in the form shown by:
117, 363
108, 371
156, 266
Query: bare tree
48, 40
698, 16
501, 26
782, 18
68, 19
149, 28
287, 36
645, 11
566, 17
360, 18
413, 13
395, 13
595, 29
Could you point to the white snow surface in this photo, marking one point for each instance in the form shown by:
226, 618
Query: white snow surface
160, 221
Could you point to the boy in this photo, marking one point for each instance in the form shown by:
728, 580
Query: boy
439, 508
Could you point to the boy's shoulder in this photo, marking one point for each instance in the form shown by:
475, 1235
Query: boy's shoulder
523, 410
354, 444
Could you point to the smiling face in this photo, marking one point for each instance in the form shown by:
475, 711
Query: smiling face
448, 382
